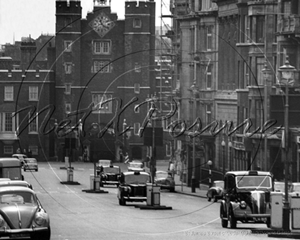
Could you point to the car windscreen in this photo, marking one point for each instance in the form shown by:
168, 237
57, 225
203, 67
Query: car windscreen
296, 188
161, 174
104, 162
30, 161
135, 165
254, 182
111, 170
136, 179
18, 197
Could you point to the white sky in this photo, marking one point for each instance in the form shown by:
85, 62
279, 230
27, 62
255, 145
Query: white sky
21, 18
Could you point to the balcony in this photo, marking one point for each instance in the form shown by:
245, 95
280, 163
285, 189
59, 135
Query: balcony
289, 25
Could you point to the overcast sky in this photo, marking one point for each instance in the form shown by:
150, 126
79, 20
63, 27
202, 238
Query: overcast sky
21, 18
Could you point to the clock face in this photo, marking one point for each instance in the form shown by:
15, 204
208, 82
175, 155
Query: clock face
102, 24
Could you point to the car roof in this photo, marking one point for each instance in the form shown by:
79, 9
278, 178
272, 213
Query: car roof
16, 188
30, 159
248, 173
13, 183
111, 166
136, 173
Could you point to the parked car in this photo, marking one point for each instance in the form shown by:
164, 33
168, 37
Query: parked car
22, 215
295, 189
246, 198
11, 168
110, 175
215, 191
136, 165
165, 180
133, 187
6, 182
20, 156
30, 164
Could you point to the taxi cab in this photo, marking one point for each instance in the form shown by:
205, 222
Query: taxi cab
246, 198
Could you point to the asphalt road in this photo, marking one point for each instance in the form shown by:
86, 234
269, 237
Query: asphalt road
77, 215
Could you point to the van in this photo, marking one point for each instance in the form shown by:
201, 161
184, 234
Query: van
11, 168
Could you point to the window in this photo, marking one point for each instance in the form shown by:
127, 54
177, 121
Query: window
33, 124
209, 38
8, 150
260, 26
101, 66
7, 122
98, 99
208, 77
102, 47
34, 150
67, 108
137, 88
137, 23
68, 46
68, 68
33, 93
260, 62
208, 114
136, 128
8, 93
137, 67
68, 22
67, 88
168, 149
258, 113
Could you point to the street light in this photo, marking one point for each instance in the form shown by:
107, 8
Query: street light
287, 78
230, 155
194, 91
267, 73
209, 163
223, 148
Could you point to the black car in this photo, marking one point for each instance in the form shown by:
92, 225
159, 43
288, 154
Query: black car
246, 198
133, 187
109, 175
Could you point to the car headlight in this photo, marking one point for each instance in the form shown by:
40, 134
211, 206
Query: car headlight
127, 189
40, 218
243, 205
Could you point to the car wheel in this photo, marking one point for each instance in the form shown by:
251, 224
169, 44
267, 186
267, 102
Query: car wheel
172, 189
122, 201
208, 199
101, 184
36, 170
215, 199
224, 222
232, 220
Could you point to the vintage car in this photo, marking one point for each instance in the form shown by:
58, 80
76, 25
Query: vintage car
215, 192
246, 198
22, 215
133, 187
6, 182
20, 156
136, 165
295, 189
30, 164
109, 175
164, 180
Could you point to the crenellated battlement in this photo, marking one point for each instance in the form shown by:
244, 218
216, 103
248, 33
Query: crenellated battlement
139, 7
27, 75
64, 6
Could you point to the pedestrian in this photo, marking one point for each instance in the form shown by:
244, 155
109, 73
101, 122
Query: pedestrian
85, 154
29, 153
121, 155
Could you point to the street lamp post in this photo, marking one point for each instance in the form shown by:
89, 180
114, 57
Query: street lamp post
230, 155
223, 151
287, 78
194, 90
209, 163
267, 73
